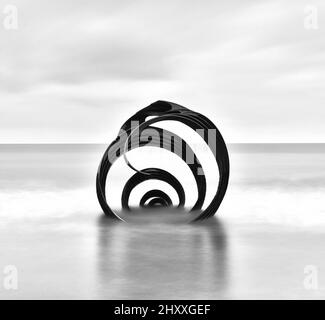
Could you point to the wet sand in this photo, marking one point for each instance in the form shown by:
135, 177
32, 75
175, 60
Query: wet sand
95, 258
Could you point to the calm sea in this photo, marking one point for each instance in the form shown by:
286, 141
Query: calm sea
269, 231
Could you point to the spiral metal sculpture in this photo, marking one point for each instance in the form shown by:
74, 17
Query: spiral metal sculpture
144, 134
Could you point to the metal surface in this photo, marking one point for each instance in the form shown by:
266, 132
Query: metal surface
128, 139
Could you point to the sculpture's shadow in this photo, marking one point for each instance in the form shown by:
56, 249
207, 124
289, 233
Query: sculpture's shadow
162, 260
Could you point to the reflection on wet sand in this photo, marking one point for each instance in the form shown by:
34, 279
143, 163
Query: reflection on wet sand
162, 260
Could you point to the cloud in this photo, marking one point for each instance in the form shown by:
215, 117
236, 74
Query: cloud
72, 66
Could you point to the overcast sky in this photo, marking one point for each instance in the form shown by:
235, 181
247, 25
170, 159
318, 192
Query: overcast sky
74, 71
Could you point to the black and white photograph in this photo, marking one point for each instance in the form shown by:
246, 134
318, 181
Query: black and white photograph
162, 151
